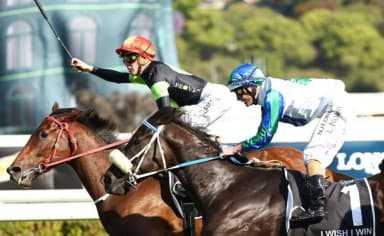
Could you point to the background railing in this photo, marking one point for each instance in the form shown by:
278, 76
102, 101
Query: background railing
68, 204
63, 204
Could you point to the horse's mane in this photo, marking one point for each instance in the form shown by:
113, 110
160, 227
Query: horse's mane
171, 114
103, 128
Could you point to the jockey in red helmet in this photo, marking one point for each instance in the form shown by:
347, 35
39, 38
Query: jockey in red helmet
203, 102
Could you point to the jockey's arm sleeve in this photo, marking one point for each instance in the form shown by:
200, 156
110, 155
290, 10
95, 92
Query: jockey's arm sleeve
160, 93
271, 112
112, 75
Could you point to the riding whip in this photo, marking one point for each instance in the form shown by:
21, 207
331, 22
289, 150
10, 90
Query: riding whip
38, 4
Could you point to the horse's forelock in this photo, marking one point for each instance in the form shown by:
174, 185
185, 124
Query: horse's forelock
66, 113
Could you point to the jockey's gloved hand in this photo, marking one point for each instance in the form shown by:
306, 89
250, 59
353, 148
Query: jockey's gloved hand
80, 66
230, 150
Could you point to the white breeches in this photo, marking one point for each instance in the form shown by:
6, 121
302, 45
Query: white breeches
330, 132
215, 100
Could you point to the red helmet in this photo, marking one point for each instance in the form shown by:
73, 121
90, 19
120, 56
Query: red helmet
139, 45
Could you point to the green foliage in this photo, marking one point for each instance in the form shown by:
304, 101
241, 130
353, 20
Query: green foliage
216, 69
277, 35
315, 23
357, 46
209, 33
366, 80
319, 22
186, 6
52, 228
237, 13
367, 14
306, 6
330, 39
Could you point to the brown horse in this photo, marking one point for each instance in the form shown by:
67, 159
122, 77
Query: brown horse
142, 212
233, 200
147, 211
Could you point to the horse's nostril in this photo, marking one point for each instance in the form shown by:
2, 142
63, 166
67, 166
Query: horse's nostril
106, 180
13, 170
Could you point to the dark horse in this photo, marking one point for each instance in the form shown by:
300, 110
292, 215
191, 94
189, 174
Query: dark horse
234, 200
148, 210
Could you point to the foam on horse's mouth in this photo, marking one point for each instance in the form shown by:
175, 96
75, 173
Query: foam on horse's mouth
27, 177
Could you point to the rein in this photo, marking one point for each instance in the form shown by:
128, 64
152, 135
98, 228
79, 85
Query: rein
156, 137
64, 127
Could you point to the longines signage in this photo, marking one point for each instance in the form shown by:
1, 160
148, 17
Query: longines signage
356, 158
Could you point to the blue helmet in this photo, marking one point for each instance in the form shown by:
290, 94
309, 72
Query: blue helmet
245, 75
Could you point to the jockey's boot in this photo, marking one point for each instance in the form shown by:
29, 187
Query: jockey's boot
317, 202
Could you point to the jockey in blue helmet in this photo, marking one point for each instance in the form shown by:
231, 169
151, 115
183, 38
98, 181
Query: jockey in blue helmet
297, 102
246, 76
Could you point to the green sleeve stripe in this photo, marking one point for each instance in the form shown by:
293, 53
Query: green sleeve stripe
160, 89
269, 122
136, 79
303, 81
173, 103
275, 110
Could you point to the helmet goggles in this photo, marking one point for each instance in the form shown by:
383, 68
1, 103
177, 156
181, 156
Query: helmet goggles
129, 58
245, 75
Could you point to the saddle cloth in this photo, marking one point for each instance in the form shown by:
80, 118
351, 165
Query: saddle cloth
349, 204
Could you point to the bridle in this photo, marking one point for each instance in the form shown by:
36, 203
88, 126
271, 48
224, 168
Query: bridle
64, 127
48, 163
133, 176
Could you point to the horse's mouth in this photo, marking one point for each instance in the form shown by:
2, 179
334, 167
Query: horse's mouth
115, 181
25, 178
116, 187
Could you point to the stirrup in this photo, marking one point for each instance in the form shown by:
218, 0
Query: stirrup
179, 190
309, 216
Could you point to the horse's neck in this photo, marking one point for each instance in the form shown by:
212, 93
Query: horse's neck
90, 168
206, 180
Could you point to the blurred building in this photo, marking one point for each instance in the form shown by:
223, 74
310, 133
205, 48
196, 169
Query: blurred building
35, 69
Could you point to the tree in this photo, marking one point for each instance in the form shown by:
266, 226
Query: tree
277, 39
345, 42
356, 46
209, 33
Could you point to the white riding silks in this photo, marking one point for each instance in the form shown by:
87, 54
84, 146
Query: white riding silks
215, 100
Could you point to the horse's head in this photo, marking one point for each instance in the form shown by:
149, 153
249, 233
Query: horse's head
159, 143
52, 139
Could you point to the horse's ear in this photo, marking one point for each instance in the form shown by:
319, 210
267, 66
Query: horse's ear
55, 106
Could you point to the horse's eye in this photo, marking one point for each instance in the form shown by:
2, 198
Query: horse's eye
43, 134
